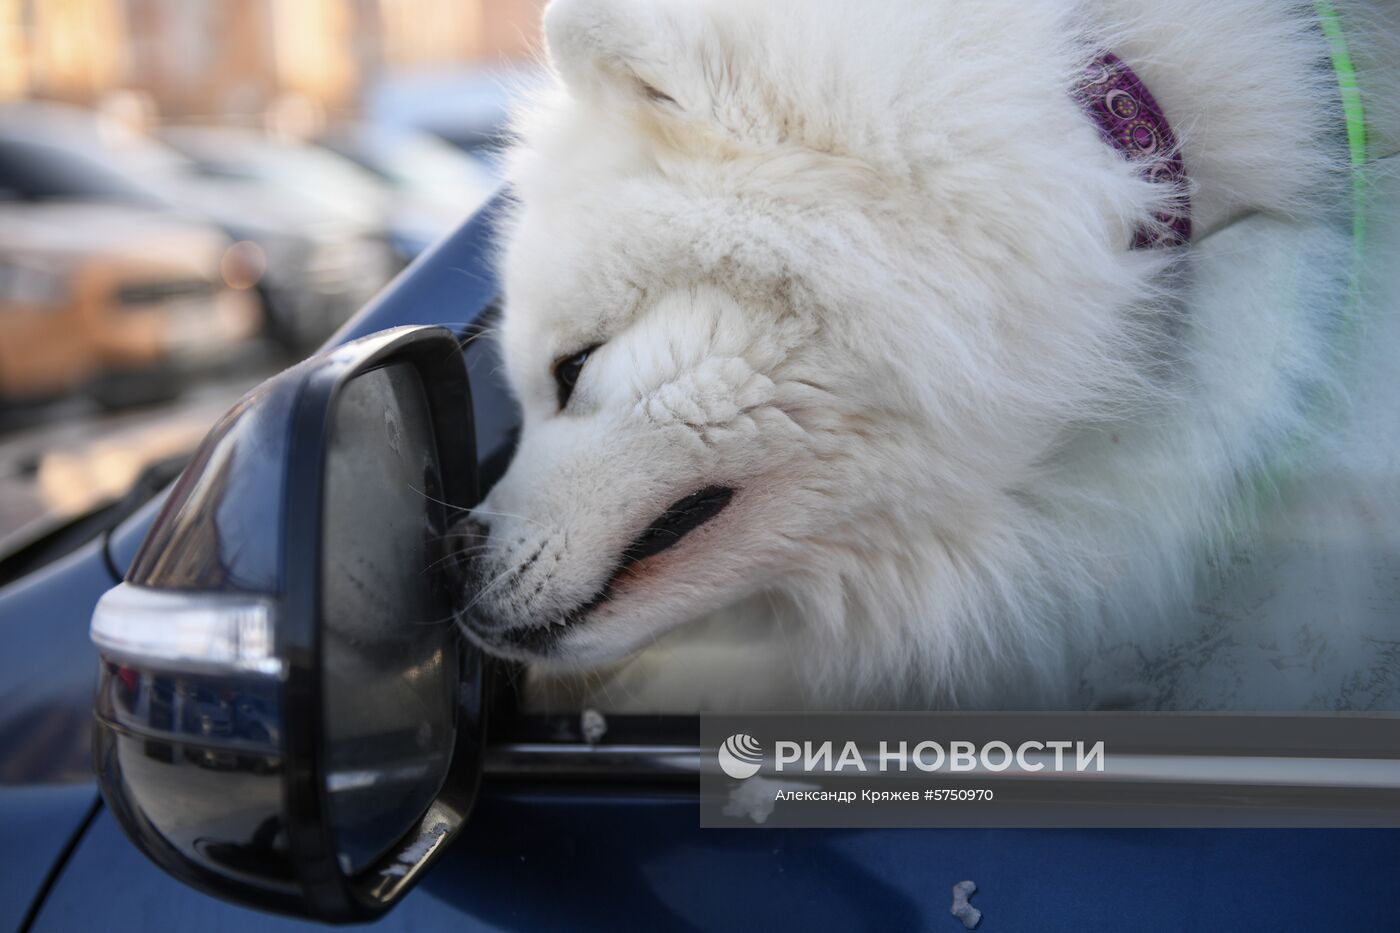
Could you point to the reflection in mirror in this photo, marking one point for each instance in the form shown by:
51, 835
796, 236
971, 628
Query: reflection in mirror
389, 651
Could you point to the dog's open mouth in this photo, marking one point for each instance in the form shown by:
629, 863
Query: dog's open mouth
680, 519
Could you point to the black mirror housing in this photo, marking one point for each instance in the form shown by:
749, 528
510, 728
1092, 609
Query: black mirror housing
285, 715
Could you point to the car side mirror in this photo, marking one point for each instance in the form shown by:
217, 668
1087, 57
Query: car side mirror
286, 716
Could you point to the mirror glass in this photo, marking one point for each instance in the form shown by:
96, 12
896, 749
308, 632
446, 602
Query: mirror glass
390, 662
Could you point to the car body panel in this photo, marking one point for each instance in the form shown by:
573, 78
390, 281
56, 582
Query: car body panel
48, 670
621, 858
47, 789
37, 826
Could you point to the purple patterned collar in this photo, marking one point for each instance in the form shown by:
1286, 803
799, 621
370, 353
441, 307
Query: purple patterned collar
1130, 120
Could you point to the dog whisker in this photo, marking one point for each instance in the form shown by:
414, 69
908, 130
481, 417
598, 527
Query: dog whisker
449, 505
523, 518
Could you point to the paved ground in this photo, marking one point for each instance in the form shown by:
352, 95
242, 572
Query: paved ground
62, 460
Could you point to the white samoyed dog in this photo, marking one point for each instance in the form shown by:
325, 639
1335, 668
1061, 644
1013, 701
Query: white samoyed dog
843, 382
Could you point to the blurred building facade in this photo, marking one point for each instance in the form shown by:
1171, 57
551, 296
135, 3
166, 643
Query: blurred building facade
234, 60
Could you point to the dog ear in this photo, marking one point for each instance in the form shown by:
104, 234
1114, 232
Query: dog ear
629, 45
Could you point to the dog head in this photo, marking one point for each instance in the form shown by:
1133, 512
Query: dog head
768, 310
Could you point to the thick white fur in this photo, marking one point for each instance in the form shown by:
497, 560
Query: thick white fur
868, 264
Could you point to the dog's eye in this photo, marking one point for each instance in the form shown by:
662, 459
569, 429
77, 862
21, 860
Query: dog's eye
653, 94
566, 373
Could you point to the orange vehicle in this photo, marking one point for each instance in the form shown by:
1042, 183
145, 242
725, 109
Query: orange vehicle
118, 302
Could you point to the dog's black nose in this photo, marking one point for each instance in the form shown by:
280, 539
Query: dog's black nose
463, 542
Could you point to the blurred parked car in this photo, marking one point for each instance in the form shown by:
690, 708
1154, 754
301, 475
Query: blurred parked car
118, 301
313, 263
337, 186
467, 107
435, 185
